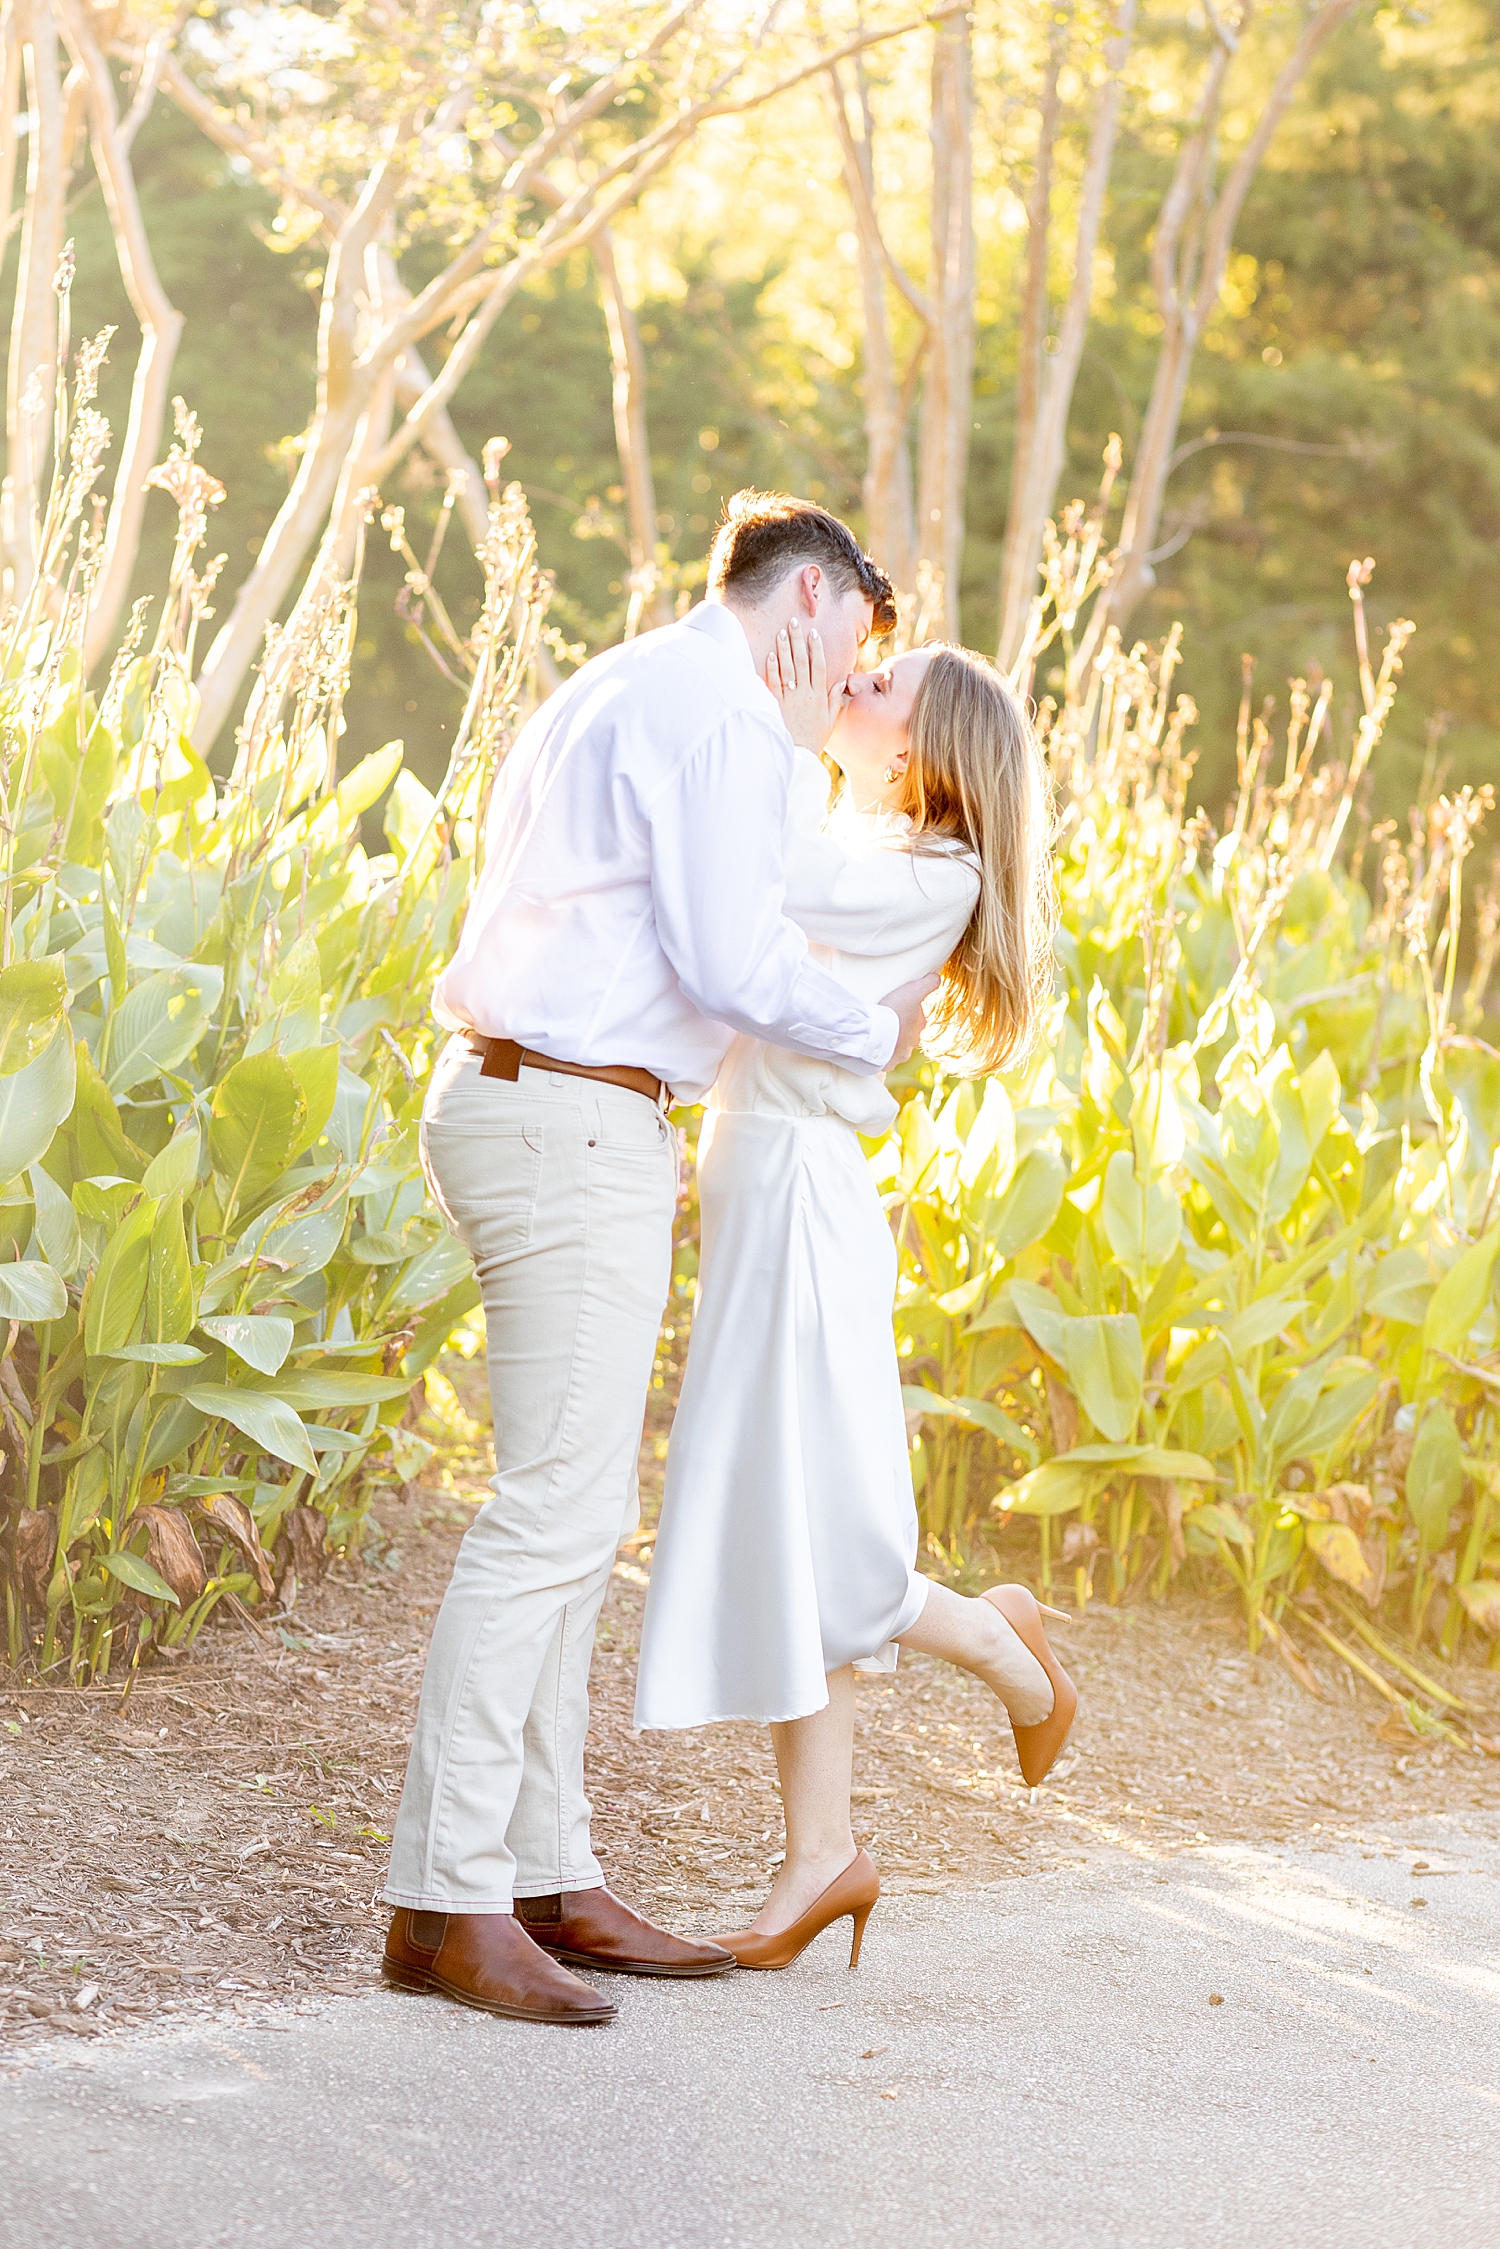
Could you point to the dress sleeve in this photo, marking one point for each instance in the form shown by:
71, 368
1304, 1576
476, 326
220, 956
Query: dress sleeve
718, 886
881, 899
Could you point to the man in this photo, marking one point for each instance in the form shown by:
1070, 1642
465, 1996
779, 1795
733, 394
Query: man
627, 923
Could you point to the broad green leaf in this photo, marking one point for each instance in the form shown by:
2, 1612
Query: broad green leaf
378, 1249
920, 1148
1246, 1331
1040, 1314
1052, 1489
138, 1574
157, 1026
268, 1422
991, 1141
954, 1301
1143, 1222
368, 781
408, 813
158, 1354
1336, 1412
261, 1339
117, 1292
1144, 1460
77, 775
316, 1069
105, 1201
1434, 1476
1401, 1288
328, 1393
1156, 1125
169, 1282
30, 1290
297, 977
1213, 1521
1029, 1205
305, 1243
257, 1117
126, 828
176, 1168
100, 1143
1318, 1084
1294, 1147
177, 1425
56, 1223
1460, 1297
1249, 1145
185, 781
34, 1101
324, 1438
1106, 1368
977, 1413
33, 997
431, 1273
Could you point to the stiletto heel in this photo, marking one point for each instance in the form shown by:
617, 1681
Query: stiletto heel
854, 1892
1037, 1747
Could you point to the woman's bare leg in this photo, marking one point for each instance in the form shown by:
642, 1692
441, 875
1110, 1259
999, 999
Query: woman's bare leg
815, 1759
974, 1635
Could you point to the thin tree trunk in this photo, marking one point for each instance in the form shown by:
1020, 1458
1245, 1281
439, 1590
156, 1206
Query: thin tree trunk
10, 104
1031, 378
648, 604
947, 394
345, 385
1187, 289
890, 525
31, 376
1034, 502
161, 329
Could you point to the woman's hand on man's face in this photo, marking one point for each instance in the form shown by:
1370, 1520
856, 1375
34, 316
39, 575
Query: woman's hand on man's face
797, 675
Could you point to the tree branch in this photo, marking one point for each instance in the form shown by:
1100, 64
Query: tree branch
160, 324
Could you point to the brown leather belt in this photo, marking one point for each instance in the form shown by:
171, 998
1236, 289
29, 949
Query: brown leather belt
504, 1059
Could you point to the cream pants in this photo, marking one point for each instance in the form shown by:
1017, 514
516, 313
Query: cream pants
563, 1191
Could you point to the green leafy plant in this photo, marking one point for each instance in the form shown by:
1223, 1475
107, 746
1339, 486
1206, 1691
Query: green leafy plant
219, 1264
1213, 1281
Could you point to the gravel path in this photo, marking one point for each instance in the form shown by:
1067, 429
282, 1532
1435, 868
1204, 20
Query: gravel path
1222, 2045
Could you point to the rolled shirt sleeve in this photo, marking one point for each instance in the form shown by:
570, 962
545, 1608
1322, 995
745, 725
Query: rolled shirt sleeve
718, 887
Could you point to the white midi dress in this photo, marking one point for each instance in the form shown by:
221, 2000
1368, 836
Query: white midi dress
788, 1536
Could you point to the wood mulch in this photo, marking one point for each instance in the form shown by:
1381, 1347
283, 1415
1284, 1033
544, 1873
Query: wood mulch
215, 1842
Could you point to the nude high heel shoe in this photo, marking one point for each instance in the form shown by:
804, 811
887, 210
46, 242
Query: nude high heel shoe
1038, 1747
853, 1892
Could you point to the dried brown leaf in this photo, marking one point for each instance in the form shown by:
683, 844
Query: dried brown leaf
173, 1552
234, 1521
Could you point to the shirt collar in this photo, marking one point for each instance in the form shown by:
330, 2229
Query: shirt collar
722, 625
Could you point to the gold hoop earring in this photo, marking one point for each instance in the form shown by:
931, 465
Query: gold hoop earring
892, 773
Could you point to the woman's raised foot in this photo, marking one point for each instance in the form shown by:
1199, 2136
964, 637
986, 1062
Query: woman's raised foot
1038, 1746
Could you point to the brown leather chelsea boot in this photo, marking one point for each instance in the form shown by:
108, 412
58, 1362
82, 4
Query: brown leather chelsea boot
595, 1929
487, 1960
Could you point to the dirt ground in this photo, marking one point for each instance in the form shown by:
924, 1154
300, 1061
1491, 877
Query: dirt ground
215, 1842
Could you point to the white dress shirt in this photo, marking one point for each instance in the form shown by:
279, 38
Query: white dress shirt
630, 906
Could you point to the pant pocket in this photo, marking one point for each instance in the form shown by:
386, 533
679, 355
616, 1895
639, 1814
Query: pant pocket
486, 1185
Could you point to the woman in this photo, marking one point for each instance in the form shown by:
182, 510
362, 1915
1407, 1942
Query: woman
785, 1557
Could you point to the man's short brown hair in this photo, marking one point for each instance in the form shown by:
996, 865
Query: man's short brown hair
763, 535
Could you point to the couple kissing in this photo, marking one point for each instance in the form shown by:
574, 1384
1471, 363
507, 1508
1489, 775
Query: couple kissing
670, 911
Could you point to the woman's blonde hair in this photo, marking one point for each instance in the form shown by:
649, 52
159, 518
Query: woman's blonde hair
975, 775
